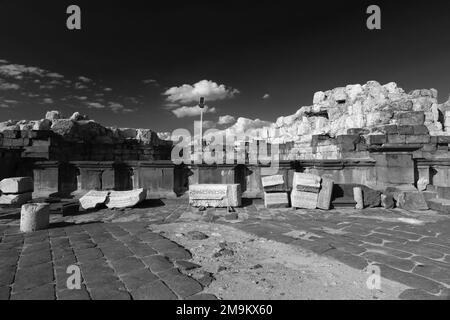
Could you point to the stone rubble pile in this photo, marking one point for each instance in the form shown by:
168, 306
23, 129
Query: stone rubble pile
78, 138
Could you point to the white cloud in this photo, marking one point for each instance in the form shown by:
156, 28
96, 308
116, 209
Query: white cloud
3, 61
48, 101
244, 124
209, 124
204, 88
54, 75
4, 105
17, 71
226, 119
107, 89
150, 81
191, 111
266, 96
95, 105
80, 86
84, 79
8, 86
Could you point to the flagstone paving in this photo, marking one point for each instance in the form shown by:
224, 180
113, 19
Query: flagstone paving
117, 261
412, 248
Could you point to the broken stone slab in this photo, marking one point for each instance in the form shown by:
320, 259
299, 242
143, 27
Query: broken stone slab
422, 184
325, 194
276, 200
17, 185
274, 180
412, 201
196, 235
215, 195
306, 179
387, 201
93, 198
16, 199
395, 191
34, 216
371, 198
125, 199
358, 197
306, 200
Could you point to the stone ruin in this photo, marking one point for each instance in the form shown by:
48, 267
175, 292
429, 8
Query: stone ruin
389, 143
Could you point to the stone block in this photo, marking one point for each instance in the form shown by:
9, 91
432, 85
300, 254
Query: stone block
376, 139
412, 201
125, 199
16, 199
396, 138
17, 185
418, 139
420, 130
215, 195
371, 198
306, 200
405, 130
34, 216
358, 197
93, 199
274, 180
306, 179
414, 118
325, 194
276, 200
387, 201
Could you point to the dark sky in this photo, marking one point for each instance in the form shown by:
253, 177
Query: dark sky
285, 49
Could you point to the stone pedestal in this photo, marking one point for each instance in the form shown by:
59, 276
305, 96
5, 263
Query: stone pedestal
34, 216
156, 177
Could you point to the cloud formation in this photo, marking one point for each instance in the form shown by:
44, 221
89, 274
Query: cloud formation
266, 96
184, 111
205, 88
226, 120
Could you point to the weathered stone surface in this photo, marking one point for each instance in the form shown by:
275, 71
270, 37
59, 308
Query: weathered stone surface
16, 199
387, 201
215, 195
412, 201
274, 180
93, 198
307, 189
53, 115
371, 198
422, 184
358, 197
34, 216
414, 118
306, 179
325, 194
276, 200
124, 199
17, 185
307, 200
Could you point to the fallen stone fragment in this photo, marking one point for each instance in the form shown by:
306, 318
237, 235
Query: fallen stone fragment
387, 201
186, 265
16, 199
306, 179
276, 200
371, 198
17, 185
34, 216
232, 216
307, 189
93, 198
358, 197
274, 180
412, 201
215, 195
125, 199
325, 194
306, 200
196, 235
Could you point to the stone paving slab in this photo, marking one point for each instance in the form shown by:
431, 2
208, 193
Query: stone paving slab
117, 261
412, 248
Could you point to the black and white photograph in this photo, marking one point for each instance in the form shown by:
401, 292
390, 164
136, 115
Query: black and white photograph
240, 152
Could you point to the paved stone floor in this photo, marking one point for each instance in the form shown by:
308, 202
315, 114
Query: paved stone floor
120, 254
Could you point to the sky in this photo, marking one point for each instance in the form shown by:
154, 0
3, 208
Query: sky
145, 63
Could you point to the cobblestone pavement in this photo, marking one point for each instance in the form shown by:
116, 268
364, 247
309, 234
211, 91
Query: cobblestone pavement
412, 248
117, 261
